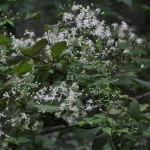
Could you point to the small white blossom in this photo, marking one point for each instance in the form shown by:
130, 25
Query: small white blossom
67, 16
75, 7
124, 26
142, 66
126, 51
139, 41
1, 133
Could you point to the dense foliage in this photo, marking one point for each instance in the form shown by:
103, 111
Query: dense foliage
73, 87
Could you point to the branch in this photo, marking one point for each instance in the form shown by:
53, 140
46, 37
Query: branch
142, 95
62, 127
53, 129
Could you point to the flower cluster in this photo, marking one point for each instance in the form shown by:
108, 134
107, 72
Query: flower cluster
85, 68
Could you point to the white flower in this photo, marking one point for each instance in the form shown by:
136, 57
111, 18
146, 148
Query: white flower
81, 15
126, 51
24, 116
89, 42
67, 16
75, 7
124, 26
79, 24
74, 109
89, 108
62, 106
86, 23
4, 144
114, 25
94, 22
99, 31
110, 42
139, 41
97, 10
121, 34
132, 36
142, 66
90, 101
1, 133
108, 33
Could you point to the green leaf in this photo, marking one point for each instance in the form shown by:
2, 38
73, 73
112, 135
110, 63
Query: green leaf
48, 143
122, 79
39, 46
134, 110
124, 130
114, 111
111, 121
88, 133
91, 120
20, 140
81, 148
11, 139
107, 130
22, 68
12, 80
4, 40
31, 15
42, 72
8, 21
34, 118
32, 85
142, 83
36, 48
58, 48
127, 2
100, 141
47, 108
146, 8
53, 28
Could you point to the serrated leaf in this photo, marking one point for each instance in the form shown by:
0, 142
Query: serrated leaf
4, 40
107, 130
58, 48
134, 110
48, 108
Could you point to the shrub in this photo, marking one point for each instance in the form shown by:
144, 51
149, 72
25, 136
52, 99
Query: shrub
72, 77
